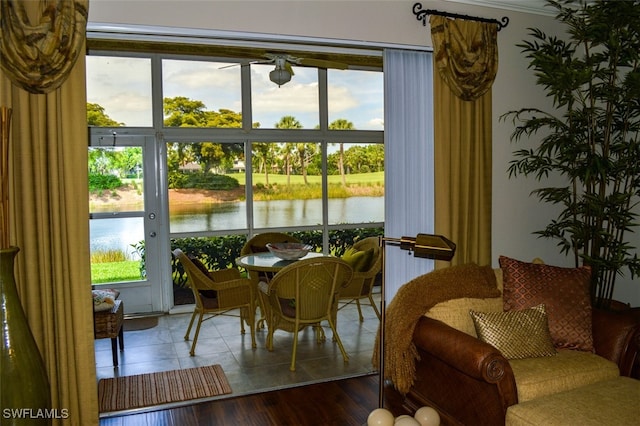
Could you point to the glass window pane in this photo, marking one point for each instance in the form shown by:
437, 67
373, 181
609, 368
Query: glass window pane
115, 179
356, 97
206, 186
287, 184
116, 186
119, 91
201, 94
298, 98
113, 255
356, 183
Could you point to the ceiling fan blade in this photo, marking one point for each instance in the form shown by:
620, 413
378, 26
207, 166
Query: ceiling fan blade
288, 67
229, 66
320, 63
262, 61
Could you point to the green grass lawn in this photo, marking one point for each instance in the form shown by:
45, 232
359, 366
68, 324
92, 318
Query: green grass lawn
368, 184
109, 272
374, 178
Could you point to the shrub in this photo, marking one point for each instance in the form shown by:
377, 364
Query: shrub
99, 182
200, 180
222, 252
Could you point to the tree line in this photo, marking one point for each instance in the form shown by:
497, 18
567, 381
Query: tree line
285, 158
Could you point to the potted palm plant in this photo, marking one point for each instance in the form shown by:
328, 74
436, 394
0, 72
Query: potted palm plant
590, 137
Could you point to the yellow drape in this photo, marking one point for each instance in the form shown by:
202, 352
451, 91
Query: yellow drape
463, 157
49, 223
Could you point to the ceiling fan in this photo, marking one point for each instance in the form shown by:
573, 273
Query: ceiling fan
283, 71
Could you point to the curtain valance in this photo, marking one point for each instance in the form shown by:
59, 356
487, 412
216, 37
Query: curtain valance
465, 54
38, 58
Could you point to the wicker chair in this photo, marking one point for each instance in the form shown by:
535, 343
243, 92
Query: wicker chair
258, 243
304, 294
361, 285
231, 292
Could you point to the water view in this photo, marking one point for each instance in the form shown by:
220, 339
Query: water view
121, 233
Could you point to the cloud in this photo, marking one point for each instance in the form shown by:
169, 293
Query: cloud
376, 124
298, 98
341, 99
123, 87
291, 97
203, 81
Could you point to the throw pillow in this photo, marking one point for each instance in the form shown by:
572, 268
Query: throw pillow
516, 334
455, 312
563, 291
359, 260
199, 264
103, 300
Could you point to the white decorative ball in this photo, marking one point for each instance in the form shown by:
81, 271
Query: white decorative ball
406, 421
427, 416
380, 417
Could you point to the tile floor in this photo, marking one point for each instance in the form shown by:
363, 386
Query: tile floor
248, 370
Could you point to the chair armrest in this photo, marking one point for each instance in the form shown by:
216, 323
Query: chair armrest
468, 354
225, 274
616, 337
232, 284
460, 376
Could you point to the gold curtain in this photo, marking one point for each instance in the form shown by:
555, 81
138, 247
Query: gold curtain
463, 135
49, 222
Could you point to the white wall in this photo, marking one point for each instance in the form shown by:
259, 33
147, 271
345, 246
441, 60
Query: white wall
515, 214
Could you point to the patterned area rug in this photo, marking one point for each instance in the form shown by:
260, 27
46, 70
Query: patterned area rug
145, 390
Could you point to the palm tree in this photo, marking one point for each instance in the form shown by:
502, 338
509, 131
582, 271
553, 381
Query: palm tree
290, 122
263, 152
286, 150
341, 124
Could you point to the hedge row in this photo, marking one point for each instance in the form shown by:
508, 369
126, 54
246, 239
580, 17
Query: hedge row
221, 252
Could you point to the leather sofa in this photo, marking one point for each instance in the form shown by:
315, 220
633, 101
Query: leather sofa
469, 382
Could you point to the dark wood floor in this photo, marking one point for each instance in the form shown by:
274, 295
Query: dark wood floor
341, 403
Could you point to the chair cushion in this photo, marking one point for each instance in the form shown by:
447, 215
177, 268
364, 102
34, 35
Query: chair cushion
569, 369
359, 260
563, 291
104, 299
455, 312
610, 402
288, 307
212, 294
203, 268
208, 302
516, 334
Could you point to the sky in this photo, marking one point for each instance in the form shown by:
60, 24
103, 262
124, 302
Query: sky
122, 86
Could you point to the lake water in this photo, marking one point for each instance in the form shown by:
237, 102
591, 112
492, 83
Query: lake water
120, 233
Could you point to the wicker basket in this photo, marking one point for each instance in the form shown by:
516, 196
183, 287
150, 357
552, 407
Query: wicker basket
107, 324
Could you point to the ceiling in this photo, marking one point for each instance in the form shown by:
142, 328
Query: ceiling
528, 6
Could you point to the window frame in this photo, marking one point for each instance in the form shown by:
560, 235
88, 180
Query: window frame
245, 135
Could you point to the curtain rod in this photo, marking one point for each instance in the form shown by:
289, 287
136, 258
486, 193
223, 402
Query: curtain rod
421, 15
